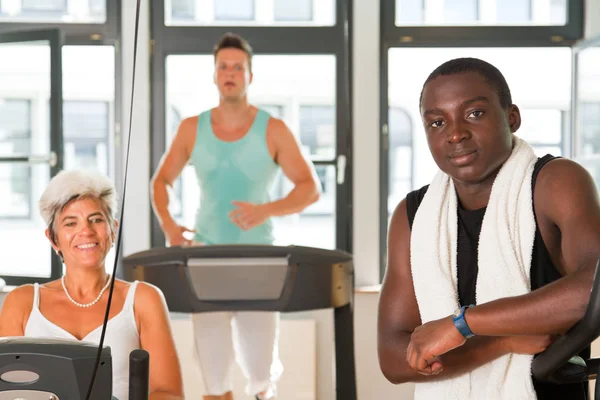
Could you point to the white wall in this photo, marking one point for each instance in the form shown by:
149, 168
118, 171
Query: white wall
365, 119
136, 227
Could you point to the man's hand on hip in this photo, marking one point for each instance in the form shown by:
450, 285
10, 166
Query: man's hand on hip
249, 215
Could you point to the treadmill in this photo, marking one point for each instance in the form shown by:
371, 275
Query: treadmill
560, 362
214, 278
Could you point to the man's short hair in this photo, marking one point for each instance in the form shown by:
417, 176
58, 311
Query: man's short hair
234, 41
491, 74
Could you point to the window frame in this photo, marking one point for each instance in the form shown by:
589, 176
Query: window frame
106, 105
392, 36
482, 36
265, 40
73, 34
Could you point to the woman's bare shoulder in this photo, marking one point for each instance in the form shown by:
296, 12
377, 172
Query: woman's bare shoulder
20, 296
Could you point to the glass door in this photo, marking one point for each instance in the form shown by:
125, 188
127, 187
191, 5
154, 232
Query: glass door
30, 150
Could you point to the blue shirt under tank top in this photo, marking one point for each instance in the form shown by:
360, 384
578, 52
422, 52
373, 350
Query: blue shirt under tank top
241, 170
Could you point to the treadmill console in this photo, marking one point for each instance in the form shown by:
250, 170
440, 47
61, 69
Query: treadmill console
255, 277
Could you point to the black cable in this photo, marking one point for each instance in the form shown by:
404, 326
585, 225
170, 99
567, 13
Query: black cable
119, 236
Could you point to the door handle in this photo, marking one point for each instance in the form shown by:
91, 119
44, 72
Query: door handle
50, 159
341, 169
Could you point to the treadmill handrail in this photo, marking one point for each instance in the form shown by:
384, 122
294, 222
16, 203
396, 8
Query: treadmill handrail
178, 253
545, 365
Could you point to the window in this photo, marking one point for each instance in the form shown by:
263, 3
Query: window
44, 6
276, 111
97, 7
544, 109
587, 102
481, 12
86, 130
586, 105
317, 130
400, 156
175, 200
234, 10
409, 12
317, 133
293, 10
513, 11
15, 139
89, 78
88, 108
558, 12
305, 84
590, 127
589, 114
544, 130
183, 9
419, 35
262, 13
460, 12
541, 126
24, 131
54, 11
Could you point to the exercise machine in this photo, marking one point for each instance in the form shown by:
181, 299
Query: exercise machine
57, 369
200, 279
560, 362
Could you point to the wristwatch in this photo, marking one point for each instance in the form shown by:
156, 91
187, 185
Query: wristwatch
459, 322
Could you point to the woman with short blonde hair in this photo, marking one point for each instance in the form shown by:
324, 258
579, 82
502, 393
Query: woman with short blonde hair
79, 209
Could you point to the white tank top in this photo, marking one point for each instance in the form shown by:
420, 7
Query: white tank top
121, 336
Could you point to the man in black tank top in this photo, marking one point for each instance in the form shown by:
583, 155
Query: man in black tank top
469, 120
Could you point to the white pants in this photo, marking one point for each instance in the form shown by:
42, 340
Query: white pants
251, 338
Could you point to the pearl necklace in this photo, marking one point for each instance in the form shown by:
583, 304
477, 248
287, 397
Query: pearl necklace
88, 304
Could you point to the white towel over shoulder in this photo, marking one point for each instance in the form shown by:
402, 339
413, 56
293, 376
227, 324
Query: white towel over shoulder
505, 250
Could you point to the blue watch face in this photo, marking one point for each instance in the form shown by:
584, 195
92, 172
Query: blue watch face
460, 323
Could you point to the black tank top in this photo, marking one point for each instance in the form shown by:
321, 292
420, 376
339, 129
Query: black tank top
542, 273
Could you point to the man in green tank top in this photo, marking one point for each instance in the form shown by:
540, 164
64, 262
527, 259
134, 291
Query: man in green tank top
236, 150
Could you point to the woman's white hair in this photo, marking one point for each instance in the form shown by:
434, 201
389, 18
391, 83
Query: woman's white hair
69, 185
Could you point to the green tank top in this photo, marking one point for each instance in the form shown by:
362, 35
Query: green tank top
242, 170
